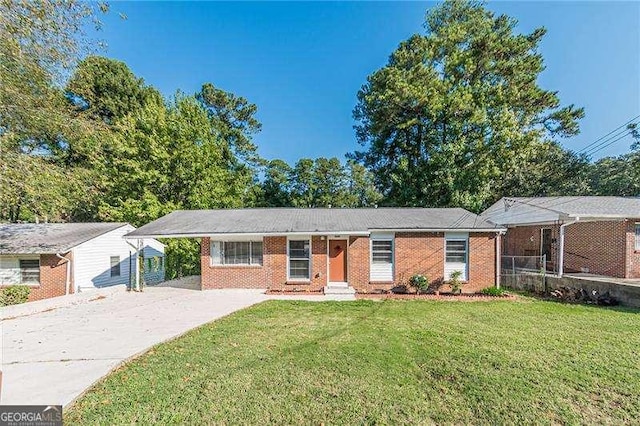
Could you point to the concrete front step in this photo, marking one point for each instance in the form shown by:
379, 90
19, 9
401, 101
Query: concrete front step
330, 289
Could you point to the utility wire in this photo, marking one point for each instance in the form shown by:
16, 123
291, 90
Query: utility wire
586, 148
610, 143
607, 140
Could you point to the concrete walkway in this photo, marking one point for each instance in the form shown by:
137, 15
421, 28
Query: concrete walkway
52, 356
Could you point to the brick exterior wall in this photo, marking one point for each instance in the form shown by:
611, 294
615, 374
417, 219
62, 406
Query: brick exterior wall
53, 277
603, 247
414, 253
633, 255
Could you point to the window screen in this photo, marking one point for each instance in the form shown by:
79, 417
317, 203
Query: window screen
382, 251
30, 271
457, 251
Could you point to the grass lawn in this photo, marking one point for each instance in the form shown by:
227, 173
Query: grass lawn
385, 362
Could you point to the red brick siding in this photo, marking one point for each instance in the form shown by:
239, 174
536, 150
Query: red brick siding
273, 272
603, 247
414, 253
633, 256
598, 246
482, 262
53, 278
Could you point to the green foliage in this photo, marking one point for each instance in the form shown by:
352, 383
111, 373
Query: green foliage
323, 182
457, 109
455, 282
419, 282
493, 291
182, 258
14, 295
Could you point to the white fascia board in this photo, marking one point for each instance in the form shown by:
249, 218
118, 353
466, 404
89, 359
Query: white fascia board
496, 230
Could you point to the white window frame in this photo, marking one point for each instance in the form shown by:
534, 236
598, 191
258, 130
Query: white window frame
383, 237
236, 240
637, 231
119, 267
310, 259
30, 283
457, 237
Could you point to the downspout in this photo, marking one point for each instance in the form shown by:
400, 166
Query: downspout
498, 257
561, 247
137, 263
67, 283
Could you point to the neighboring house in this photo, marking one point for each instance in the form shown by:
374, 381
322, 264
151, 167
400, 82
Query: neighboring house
597, 235
331, 249
55, 259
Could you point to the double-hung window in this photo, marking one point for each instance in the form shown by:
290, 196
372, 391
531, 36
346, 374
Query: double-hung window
246, 253
29, 271
637, 236
299, 259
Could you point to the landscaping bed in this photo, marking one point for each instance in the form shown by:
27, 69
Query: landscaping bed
387, 361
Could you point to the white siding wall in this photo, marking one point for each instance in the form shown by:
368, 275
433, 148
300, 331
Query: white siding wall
92, 267
10, 269
381, 272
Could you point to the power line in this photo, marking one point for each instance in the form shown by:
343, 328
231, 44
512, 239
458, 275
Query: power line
610, 143
606, 141
602, 137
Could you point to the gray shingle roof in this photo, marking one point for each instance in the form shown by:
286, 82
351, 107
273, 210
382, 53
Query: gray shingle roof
24, 238
514, 210
288, 220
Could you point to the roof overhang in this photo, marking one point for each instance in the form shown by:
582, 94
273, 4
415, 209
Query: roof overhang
307, 233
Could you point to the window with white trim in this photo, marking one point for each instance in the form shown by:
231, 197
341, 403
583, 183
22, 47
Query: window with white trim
638, 236
299, 259
29, 271
115, 266
381, 267
457, 251
247, 253
456, 254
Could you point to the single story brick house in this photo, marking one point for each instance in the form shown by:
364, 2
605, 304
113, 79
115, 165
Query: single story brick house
334, 250
55, 259
595, 235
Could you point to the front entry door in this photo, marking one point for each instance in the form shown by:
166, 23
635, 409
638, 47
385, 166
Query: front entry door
337, 261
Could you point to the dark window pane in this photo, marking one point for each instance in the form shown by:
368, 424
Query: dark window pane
256, 253
299, 249
456, 251
236, 253
299, 269
382, 251
30, 270
115, 266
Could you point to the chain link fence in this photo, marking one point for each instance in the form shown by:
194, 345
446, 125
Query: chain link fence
527, 273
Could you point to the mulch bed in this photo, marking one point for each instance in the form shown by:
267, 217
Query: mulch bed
294, 293
472, 297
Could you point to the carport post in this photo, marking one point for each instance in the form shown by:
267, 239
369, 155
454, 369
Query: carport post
139, 263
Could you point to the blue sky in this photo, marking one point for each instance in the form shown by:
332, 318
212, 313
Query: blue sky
303, 63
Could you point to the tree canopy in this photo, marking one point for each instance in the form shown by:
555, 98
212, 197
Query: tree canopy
458, 109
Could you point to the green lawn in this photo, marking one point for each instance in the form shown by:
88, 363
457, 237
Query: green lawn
385, 362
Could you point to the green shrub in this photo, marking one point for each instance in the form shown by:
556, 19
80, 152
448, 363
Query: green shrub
493, 291
455, 282
14, 295
419, 282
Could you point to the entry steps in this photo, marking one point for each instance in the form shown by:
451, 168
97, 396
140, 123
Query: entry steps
339, 288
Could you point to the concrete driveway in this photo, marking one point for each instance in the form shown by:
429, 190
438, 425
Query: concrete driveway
51, 357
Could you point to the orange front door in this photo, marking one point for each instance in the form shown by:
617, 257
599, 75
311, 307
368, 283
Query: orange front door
337, 261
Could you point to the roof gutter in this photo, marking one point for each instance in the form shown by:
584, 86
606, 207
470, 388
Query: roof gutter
303, 233
68, 262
